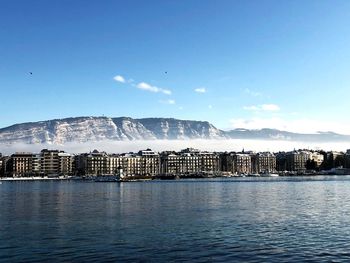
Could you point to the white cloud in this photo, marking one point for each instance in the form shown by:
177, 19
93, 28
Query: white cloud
119, 79
253, 93
145, 86
263, 107
142, 85
270, 107
302, 125
210, 106
200, 90
181, 108
165, 91
148, 87
171, 102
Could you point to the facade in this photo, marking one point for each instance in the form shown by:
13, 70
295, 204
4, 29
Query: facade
22, 164
54, 162
281, 162
66, 163
36, 164
1, 165
115, 166
189, 161
210, 162
226, 163
170, 163
265, 162
131, 164
296, 160
237, 163
94, 164
6, 166
347, 159
50, 163
180, 163
144, 163
150, 163
242, 163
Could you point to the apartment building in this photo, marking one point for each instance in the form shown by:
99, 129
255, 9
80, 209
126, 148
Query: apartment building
21, 164
264, 162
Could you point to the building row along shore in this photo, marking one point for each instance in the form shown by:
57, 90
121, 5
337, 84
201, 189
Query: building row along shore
188, 162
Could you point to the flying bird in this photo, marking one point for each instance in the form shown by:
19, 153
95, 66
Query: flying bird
31, 73
166, 72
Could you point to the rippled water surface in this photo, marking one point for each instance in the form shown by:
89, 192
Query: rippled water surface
221, 220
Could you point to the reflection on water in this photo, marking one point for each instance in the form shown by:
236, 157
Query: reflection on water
246, 219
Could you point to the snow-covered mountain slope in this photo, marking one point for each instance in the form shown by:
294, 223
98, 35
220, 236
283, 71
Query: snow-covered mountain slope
93, 129
167, 128
84, 129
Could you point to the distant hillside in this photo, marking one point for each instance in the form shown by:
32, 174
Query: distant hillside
92, 129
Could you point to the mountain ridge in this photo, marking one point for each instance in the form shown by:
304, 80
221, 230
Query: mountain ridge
98, 128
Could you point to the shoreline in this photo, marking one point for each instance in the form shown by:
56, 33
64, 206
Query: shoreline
34, 178
73, 178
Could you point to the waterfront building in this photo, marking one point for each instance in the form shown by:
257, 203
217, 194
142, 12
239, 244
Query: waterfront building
150, 162
50, 164
92, 164
131, 164
242, 163
180, 163
281, 161
143, 163
6, 166
115, 165
1, 165
333, 159
337, 158
296, 160
188, 162
36, 164
209, 162
226, 162
264, 162
170, 163
21, 164
184, 162
53, 162
347, 159
80, 164
237, 163
66, 163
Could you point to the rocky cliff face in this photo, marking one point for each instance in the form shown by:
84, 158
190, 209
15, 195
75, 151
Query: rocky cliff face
93, 129
84, 129
171, 129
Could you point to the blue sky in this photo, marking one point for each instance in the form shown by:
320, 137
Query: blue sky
253, 64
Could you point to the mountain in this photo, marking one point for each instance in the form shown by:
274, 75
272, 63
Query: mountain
92, 129
85, 129
273, 134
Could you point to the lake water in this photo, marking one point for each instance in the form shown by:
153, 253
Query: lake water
221, 220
